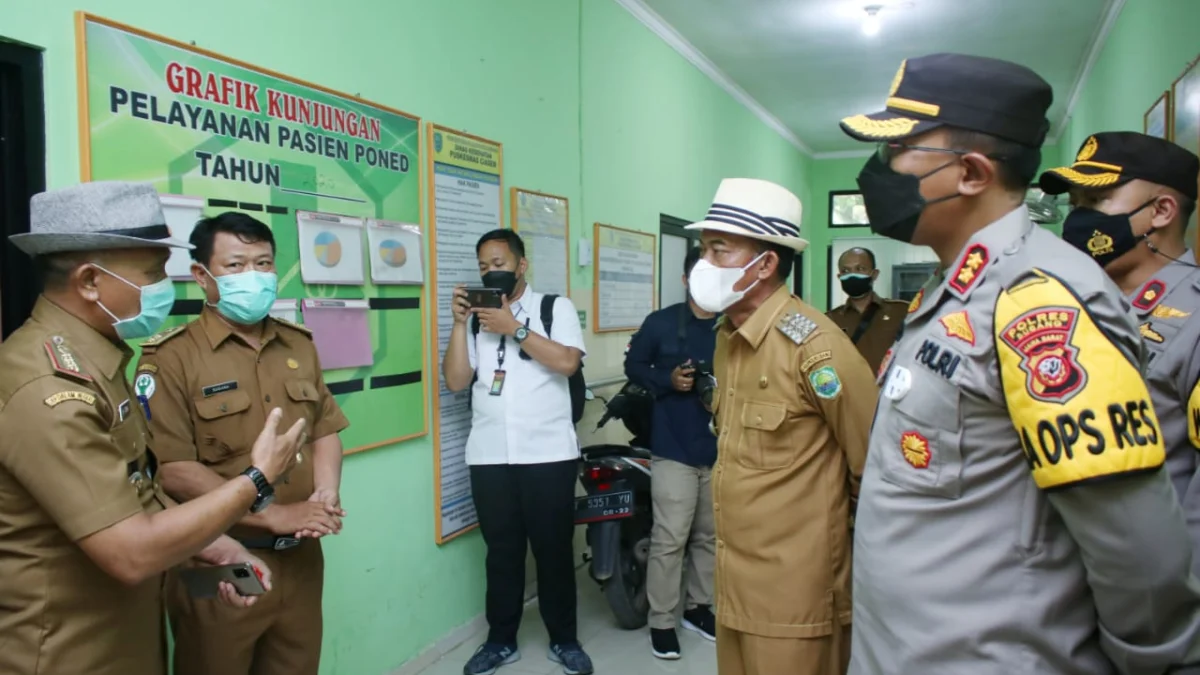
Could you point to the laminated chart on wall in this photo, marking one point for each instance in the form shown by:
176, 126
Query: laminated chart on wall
465, 186
623, 274
396, 252
340, 331
182, 213
543, 222
277, 147
330, 248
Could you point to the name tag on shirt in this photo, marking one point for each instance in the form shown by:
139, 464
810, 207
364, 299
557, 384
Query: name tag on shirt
123, 409
214, 389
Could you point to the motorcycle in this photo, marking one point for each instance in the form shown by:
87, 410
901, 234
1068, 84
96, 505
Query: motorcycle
617, 508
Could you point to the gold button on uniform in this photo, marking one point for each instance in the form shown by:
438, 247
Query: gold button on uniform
762, 382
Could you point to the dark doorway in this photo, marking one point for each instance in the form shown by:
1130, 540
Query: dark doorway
22, 173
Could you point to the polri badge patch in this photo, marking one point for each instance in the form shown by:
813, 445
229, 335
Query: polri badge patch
1167, 312
144, 386
915, 448
915, 303
958, 325
825, 382
1049, 359
1151, 334
1150, 294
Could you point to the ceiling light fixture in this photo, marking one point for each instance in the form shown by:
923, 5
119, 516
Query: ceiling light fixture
871, 25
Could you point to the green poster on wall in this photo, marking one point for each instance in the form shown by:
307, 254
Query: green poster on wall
223, 135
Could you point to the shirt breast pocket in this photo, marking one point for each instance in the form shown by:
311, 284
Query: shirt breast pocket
220, 431
764, 444
304, 398
925, 453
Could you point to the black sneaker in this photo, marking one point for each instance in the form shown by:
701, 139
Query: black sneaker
701, 622
572, 659
489, 658
665, 643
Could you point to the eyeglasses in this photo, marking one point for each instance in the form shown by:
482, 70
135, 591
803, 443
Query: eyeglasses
888, 150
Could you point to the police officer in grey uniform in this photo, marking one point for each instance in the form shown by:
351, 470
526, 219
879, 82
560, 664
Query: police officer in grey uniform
1014, 516
1132, 196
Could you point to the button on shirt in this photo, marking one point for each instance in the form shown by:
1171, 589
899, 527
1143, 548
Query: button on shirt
73, 461
679, 429
530, 421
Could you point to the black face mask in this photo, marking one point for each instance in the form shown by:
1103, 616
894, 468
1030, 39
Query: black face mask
856, 285
501, 280
893, 200
1103, 236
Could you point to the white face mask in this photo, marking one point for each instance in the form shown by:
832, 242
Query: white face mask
712, 287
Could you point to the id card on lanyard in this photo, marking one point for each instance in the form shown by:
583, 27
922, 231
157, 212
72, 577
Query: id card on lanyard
498, 376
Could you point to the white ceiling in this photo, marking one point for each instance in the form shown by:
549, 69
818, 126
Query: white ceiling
802, 65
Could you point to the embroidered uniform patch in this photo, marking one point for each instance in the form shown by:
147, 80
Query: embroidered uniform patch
814, 360
70, 395
1150, 334
796, 326
969, 269
958, 325
147, 368
915, 449
825, 382
1166, 312
144, 386
63, 360
1043, 339
1150, 294
883, 365
915, 303
1100, 244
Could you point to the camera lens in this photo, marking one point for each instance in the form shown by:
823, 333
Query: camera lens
241, 573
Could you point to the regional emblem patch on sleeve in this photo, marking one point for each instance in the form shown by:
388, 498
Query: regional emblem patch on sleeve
825, 382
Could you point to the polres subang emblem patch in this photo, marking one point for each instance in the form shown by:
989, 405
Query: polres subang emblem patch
1049, 359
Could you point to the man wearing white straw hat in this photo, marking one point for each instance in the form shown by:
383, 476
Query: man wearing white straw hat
85, 532
792, 412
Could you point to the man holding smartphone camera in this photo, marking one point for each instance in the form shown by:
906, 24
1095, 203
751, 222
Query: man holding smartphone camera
87, 532
670, 357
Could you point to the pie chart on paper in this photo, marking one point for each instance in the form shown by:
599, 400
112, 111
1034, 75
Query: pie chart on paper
392, 253
327, 249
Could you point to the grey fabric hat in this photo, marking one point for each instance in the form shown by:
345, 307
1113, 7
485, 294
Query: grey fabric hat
94, 217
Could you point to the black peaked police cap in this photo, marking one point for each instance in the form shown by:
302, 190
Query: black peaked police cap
1113, 158
989, 96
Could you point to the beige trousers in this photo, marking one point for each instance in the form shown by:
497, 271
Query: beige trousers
683, 521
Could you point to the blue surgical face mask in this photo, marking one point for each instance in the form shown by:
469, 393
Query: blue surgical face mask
157, 300
246, 297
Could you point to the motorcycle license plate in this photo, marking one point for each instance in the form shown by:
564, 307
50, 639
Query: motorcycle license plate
604, 507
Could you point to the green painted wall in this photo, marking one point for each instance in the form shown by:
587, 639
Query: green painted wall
588, 103
1150, 45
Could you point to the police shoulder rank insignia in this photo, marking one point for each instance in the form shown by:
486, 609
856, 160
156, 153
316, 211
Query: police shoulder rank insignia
1150, 334
144, 386
825, 382
958, 325
796, 326
162, 336
63, 360
71, 395
1166, 312
915, 449
915, 303
1150, 294
973, 263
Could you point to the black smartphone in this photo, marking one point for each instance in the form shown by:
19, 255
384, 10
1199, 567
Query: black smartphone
484, 298
201, 582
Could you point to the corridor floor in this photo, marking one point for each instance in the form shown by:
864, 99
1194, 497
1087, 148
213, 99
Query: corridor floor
613, 651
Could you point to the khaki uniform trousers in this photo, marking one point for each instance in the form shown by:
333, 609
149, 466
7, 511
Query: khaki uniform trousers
745, 654
683, 520
279, 635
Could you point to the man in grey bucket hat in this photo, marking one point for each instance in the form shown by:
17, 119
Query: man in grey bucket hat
86, 529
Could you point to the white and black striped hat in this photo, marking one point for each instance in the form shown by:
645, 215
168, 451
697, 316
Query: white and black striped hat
757, 209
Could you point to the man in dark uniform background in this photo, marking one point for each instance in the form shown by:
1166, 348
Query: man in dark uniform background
85, 532
871, 322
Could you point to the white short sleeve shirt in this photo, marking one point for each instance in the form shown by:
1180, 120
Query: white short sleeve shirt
530, 421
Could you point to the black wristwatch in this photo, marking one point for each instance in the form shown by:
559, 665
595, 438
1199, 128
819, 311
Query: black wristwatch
266, 493
520, 335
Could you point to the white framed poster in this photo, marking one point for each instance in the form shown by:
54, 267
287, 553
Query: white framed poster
182, 213
287, 309
396, 253
331, 248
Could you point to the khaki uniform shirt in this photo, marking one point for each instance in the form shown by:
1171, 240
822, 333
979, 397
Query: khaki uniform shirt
792, 411
881, 331
73, 461
209, 394
1015, 516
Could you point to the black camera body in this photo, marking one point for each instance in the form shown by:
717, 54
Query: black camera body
706, 384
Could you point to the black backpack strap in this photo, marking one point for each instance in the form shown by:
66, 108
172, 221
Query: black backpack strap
548, 313
684, 310
865, 323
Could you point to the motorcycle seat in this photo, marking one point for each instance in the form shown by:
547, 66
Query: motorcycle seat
598, 451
